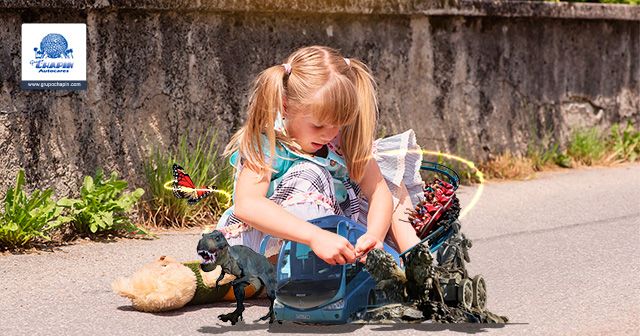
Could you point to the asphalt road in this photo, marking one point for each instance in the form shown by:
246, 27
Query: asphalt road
560, 255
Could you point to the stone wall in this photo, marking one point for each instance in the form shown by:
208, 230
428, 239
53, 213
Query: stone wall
471, 77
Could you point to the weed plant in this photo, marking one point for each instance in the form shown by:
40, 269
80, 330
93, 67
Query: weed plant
27, 218
102, 206
542, 158
624, 144
621, 2
587, 146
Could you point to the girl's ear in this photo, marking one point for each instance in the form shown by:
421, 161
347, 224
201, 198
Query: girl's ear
279, 124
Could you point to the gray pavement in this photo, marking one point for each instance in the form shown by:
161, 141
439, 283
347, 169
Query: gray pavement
560, 255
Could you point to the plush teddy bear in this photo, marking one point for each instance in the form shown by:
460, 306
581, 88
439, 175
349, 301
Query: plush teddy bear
167, 284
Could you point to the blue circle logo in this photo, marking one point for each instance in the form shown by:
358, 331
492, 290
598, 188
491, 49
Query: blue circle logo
54, 46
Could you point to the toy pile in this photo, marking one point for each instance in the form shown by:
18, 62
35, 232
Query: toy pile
440, 207
427, 291
434, 284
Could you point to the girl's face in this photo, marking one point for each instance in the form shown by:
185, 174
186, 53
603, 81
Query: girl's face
308, 132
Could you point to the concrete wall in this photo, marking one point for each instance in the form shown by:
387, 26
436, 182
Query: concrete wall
474, 78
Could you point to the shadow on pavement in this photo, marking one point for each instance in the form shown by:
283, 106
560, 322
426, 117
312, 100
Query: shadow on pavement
285, 328
182, 310
230, 305
288, 327
469, 328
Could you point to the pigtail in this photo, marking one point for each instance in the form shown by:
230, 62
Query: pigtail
264, 103
357, 138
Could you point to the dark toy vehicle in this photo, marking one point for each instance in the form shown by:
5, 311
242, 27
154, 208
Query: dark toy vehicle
458, 287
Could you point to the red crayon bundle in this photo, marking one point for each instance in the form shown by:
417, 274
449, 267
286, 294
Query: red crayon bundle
440, 206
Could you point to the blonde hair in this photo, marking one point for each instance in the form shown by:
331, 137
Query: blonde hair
321, 82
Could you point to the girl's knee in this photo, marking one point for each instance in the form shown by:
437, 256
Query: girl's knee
306, 209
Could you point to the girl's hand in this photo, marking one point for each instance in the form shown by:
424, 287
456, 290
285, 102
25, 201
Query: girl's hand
332, 248
366, 243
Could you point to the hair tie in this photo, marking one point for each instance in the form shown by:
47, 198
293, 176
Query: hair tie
287, 68
348, 61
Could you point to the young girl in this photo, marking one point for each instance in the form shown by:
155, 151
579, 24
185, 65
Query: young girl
307, 151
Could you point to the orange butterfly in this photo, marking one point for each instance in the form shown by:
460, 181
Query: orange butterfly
183, 186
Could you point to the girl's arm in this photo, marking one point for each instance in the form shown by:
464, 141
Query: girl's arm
254, 208
380, 208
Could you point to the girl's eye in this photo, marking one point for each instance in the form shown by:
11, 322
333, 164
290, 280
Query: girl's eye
317, 127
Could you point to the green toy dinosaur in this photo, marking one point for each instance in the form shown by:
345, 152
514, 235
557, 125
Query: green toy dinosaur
242, 262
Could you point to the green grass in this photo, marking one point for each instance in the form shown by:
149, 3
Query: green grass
27, 218
542, 158
621, 2
205, 166
624, 143
587, 146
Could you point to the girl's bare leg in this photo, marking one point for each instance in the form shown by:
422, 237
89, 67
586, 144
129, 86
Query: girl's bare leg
401, 230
